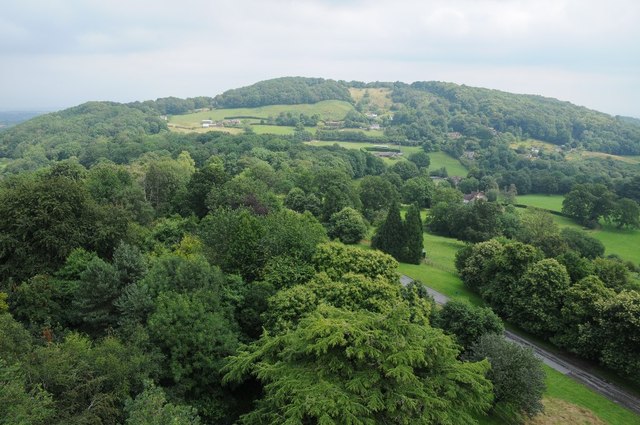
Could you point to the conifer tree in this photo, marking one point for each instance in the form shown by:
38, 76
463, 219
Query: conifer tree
390, 236
412, 241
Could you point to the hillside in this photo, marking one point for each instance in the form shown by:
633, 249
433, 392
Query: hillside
283, 91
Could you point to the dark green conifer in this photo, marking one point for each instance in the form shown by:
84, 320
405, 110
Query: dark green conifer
413, 244
389, 237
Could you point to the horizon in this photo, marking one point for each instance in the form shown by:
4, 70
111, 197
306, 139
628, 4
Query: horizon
51, 109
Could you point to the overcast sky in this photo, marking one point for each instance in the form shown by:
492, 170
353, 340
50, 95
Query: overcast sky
59, 53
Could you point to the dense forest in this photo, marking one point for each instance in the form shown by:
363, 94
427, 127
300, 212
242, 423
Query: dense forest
283, 91
149, 276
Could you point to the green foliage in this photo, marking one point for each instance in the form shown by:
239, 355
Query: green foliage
279, 91
578, 330
84, 131
412, 251
588, 203
538, 297
467, 323
516, 374
339, 366
348, 226
582, 243
89, 383
195, 336
18, 403
232, 240
150, 407
376, 194
619, 337
337, 260
418, 190
421, 159
390, 236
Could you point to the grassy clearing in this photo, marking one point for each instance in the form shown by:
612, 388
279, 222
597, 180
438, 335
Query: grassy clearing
443, 159
533, 143
564, 388
406, 150
621, 242
272, 129
546, 202
381, 97
438, 270
577, 155
182, 129
327, 110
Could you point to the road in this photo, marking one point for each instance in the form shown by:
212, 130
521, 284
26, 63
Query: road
560, 364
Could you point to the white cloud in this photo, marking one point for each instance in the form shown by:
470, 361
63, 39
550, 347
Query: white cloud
62, 52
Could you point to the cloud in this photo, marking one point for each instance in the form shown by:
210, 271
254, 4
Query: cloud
78, 50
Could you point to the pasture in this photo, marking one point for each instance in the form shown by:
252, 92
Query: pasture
333, 110
380, 97
622, 242
442, 159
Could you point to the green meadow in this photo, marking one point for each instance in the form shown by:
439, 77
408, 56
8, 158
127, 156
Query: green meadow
327, 110
443, 159
622, 242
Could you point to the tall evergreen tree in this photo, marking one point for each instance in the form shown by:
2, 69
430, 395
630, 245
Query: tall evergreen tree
412, 241
390, 237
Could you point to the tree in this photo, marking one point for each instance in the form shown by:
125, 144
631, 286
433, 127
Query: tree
42, 219
232, 241
466, 322
516, 374
339, 366
195, 336
578, 331
20, 404
390, 235
538, 297
612, 272
376, 193
421, 159
150, 407
418, 190
581, 242
337, 259
588, 203
412, 251
626, 213
619, 333
211, 175
405, 169
348, 226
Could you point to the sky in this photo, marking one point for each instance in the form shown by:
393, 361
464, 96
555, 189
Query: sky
60, 53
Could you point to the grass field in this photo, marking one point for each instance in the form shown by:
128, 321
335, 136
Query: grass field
546, 202
406, 150
377, 96
439, 273
622, 242
443, 159
327, 110
533, 143
578, 155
